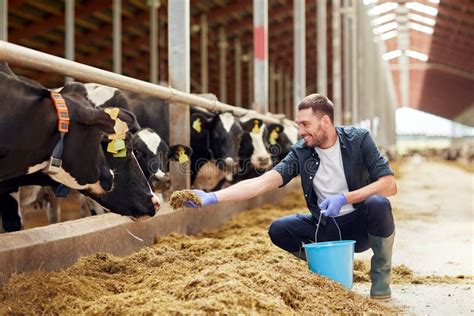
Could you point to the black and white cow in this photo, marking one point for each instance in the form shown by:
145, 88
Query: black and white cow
254, 156
213, 135
150, 148
27, 148
131, 194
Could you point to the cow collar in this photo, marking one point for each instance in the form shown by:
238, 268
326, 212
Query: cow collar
62, 113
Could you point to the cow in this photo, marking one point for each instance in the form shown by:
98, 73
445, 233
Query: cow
213, 135
131, 194
254, 157
29, 147
150, 147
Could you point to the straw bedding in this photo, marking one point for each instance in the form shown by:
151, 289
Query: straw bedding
232, 270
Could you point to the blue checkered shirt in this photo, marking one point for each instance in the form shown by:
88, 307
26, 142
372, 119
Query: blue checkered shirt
362, 162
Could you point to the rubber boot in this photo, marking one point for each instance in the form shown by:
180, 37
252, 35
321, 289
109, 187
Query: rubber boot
380, 266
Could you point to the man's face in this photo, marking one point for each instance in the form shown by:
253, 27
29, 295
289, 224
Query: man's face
311, 128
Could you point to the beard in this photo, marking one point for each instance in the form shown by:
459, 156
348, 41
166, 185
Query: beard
316, 139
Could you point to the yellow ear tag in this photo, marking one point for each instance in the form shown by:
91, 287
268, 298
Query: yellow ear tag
182, 157
256, 128
113, 112
121, 154
111, 147
197, 125
273, 136
120, 126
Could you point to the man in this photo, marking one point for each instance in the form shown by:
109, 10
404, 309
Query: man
344, 177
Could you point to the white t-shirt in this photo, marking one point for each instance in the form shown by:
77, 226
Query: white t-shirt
330, 178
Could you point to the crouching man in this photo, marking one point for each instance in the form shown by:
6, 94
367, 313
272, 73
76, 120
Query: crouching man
345, 181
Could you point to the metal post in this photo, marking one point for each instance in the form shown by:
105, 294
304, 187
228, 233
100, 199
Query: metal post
289, 102
403, 61
4, 20
204, 55
238, 73
354, 64
322, 47
280, 91
260, 45
179, 62
271, 87
299, 86
336, 61
117, 36
250, 81
154, 51
69, 49
222, 65
346, 63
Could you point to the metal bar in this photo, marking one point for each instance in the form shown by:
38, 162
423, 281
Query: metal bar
222, 65
299, 86
117, 30
179, 69
4, 20
154, 5
280, 91
354, 64
69, 21
204, 55
271, 87
30, 58
250, 80
260, 45
322, 47
238, 73
336, 61
346, 63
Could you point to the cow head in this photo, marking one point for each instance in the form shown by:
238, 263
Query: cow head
253, 144
131, 193
226, 135
29, 147
153, 155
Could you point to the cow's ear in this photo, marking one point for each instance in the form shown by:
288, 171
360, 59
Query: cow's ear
198, 122
274, 131
180, 153
252, 126
75, 88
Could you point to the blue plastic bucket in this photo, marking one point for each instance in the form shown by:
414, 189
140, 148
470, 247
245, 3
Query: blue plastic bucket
332, 259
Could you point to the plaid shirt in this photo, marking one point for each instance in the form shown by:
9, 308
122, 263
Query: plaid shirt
363, 164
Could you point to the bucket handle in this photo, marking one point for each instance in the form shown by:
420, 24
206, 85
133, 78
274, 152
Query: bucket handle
317, 228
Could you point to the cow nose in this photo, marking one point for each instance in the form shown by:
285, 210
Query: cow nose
263, 160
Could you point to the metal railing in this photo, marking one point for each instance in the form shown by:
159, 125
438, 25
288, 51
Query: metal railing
26, 57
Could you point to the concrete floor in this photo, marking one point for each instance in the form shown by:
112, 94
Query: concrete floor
434, 213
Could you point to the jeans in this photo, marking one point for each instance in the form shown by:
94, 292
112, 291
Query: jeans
374, 217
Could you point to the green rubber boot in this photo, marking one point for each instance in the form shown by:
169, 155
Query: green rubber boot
380, 266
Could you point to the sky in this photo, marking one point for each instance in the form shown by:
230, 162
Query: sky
411, 121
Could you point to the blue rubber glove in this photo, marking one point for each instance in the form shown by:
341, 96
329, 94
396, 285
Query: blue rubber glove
332, 205
206, 199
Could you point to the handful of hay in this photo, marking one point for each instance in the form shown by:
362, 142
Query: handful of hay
178, 198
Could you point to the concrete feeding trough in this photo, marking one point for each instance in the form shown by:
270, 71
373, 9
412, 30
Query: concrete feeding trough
59, 245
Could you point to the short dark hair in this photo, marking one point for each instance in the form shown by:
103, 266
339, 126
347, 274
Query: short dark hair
319, 103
